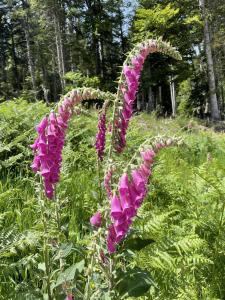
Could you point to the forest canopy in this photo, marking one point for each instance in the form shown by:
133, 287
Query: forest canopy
47, 47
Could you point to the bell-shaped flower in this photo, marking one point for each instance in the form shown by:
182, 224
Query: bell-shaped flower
45, 171
136, 196
96, 219
116, 209
42, 125
138, 181
49, 190
145, 171
137, 64
148, 156
34, 146
36, 164
121, 231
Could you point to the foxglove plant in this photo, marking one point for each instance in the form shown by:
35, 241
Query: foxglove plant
112, 221
51, 136
130, 195
124, 202
48, 148
128, 87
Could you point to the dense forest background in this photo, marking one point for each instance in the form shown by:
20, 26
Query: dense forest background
48, 47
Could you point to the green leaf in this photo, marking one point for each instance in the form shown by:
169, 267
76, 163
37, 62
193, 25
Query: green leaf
64, 251
134, 282
70, 273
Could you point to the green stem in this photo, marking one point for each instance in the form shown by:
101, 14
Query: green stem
99, 181
90, 271
113, 124
58, 221
57, 211
46, 250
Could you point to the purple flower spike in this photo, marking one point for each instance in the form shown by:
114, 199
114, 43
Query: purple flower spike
49, 144
100, 137
131, 195
128, 89
48, 149
96, 219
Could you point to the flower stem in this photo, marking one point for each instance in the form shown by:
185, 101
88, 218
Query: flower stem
57, 211
90, 271
113, 127
99, 181
46, 250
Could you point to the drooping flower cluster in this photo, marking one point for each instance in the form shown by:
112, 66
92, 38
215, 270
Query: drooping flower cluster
128, 86
128, 89
100, 137
131, 193
51, 137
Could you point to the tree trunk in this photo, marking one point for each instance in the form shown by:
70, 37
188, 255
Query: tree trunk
30, 60
160, 95
16, 82
120, 14
143, 104
150, 107
139, 102
215, 114
97, 54
59, 50
3, 66
94, 11
102, 57
173, 97
30, 57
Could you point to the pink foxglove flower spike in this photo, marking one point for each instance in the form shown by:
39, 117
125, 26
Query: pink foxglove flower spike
51, 138
100, 137
124, 207
129, 83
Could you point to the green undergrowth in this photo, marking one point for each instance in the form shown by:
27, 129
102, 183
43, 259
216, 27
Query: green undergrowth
180, 227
